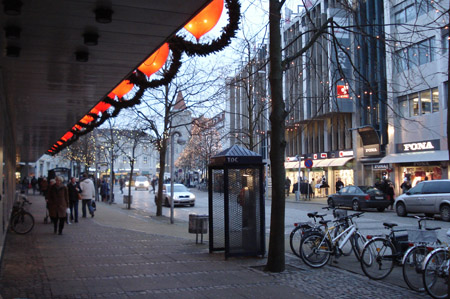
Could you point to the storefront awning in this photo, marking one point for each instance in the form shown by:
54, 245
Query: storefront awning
331, 162
416, 157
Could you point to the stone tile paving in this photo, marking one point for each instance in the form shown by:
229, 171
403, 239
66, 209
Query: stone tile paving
91, 260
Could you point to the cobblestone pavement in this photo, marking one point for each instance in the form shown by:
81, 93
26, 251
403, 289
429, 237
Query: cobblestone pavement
130, 254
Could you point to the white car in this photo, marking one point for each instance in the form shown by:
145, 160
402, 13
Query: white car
181, 195
141, 182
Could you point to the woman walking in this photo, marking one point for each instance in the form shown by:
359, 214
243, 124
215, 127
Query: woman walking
58, 202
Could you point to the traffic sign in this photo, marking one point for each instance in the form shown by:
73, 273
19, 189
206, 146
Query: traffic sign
308, 163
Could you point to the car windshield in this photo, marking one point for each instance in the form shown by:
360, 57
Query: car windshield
178, 188
141, 179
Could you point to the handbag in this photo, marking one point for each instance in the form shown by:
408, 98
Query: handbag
79, 196
94, 206
68, 211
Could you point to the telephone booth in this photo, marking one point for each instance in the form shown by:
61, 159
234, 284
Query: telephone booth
236, 203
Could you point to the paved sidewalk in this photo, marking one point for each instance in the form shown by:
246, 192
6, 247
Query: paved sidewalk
130, 254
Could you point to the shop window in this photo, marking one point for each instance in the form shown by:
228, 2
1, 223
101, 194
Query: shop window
410, 13
425, 101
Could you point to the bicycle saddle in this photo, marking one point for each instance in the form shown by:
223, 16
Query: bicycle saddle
312, 214
390, 225
323, 222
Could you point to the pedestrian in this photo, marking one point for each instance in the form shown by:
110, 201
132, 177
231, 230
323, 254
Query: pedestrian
34, 184
339, 185
121, 184
296, 191
154, 182
87, 195
287, 185
390, 193
74, 195
44, 186
24, 186
406, 185
39, 183
104, 191
58, 202
313, 188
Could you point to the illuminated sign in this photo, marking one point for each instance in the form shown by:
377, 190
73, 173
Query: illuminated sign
343, 92
427, 145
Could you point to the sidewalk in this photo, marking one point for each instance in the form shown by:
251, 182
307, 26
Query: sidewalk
130, 254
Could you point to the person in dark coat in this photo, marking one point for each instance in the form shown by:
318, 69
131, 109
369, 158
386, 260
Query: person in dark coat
58, 202
104, 191
74, 190
287, 185
390, 193
339, 185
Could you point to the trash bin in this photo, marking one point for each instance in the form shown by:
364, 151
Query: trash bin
198, 224
127, 198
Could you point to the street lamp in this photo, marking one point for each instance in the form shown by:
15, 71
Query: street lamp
180, 140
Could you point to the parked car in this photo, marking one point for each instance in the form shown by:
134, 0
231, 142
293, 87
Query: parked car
181, 195
428, 197
359, 197
141, 182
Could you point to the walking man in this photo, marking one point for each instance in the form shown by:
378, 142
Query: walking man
87, 195
74, 192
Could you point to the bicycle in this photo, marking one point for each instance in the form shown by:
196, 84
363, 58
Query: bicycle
316, 248
436, 268
381, 253
303, 228
22, 222
423, 242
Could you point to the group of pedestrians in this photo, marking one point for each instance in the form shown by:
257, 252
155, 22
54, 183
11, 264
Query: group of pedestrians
37, 185
63, 200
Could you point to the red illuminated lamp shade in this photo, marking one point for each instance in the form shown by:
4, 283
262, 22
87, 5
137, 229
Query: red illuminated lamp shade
67, 136
76, 127
206, 19
100, 107
155, 61
122, 89
86, 119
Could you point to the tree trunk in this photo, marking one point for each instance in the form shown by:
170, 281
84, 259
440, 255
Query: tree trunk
129, 185
162, 169
276, 258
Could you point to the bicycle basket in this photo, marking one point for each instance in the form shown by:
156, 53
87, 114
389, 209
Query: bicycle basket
420, 235
339, 213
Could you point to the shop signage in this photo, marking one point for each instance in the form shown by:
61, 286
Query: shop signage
425, 163
345, 154
381, 166
428, 145
372, 150
323, 155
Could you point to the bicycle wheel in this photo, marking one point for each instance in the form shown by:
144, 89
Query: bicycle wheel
377, 258
347, 249
358, 241
294, 240
435, 275
413, 267
315, 250
22, 223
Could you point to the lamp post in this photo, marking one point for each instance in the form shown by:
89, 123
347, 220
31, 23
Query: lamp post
172, 162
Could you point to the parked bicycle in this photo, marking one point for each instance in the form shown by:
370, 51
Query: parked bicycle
436, 268
422, 242
301, 229
22, 222
381, 253
317, 247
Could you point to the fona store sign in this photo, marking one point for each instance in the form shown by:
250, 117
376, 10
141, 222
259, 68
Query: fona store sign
428, 145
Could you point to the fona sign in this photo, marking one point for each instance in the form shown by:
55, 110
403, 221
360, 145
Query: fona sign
418, 146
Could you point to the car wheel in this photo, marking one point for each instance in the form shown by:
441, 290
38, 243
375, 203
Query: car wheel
445, 212
356, 206
380, 209
330, 202
401, 209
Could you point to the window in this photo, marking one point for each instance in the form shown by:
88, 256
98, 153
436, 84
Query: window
415, 55
425, 101
418, 103
403, 106
414, 104
410, 13
145, 159
400, 17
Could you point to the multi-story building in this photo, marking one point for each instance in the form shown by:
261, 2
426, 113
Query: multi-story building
417, 72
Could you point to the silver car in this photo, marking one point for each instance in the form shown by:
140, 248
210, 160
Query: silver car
181, 195
428, 197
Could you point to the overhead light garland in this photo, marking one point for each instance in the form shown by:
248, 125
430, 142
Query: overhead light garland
111, 105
